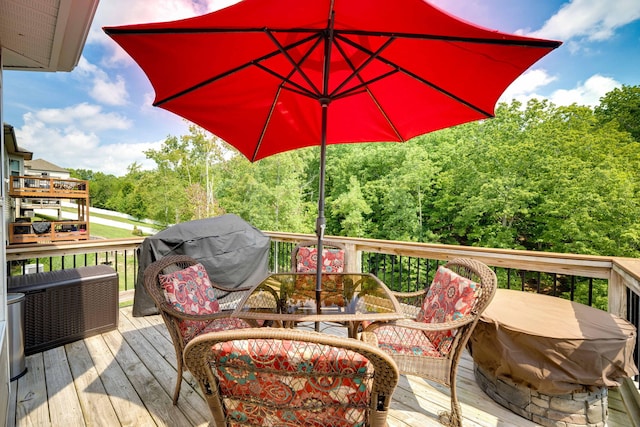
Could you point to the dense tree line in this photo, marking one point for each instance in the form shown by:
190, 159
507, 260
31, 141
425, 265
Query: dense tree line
537, 176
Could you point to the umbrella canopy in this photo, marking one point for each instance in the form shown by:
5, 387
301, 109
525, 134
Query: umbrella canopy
269, 76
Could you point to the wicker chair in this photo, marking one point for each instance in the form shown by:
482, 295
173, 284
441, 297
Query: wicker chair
304, 259
183, 326
431, 344
269, 376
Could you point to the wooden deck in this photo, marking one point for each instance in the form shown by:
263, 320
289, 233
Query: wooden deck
126, 378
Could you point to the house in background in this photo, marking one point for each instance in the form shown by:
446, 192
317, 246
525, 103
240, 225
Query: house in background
14, 157
36, 201
43, 169
49, 36
14, 164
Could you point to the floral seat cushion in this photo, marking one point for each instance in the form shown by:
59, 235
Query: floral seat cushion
449, 298
189, 291
300, 380
396, 340
307, 260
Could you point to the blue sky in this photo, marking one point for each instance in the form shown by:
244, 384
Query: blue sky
100, 117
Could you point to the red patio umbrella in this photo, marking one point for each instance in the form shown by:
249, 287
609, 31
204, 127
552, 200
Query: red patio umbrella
269, 76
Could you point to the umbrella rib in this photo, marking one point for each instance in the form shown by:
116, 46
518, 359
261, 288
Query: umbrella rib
365, 84
302, 93
295, 65
476, 40
159, 31
356, 71
439, 89
302, 90
255, 62
420, 79
266, 124
513, 42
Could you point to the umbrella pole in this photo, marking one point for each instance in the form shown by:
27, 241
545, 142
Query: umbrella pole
321, 221
324, 103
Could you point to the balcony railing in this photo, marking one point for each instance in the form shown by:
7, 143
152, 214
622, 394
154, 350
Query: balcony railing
609, 283
47, 187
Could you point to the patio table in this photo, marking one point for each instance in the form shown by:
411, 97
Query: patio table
349, 298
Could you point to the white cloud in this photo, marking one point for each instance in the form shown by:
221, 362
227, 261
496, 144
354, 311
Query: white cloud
587, 93
70, 138
593, 20
49, 136
103, 88
81, 116
525, 86
115, 158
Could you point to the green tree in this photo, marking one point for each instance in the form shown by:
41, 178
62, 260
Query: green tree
101, 186
130, 197
351, 207
184, 176
622, 106
267, 193
540, 178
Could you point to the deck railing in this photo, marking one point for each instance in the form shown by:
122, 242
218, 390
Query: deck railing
609, 283
402, 265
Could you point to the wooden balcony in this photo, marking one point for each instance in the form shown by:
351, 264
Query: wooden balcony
48, 188
130, 372
126, 378
34, 192
52, 231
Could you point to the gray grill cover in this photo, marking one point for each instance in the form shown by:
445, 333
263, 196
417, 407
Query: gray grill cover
233, 252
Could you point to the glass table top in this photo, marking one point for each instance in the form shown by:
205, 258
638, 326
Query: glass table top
343, 297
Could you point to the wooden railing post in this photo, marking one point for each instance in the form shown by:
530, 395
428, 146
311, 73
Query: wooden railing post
617, 295
353, 260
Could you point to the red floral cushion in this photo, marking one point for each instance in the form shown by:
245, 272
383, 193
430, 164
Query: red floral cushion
307, 260
300, 381
190, 329
397, 340
190, 291
450, 297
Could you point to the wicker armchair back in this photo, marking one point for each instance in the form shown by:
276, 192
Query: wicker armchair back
182, 325
268, 376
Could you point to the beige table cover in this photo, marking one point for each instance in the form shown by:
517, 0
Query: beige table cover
552, 345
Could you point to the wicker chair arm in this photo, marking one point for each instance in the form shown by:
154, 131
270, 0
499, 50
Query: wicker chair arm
172, 312
410, 295
231, 290
422, 326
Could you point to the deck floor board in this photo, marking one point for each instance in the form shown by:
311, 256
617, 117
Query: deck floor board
126, 378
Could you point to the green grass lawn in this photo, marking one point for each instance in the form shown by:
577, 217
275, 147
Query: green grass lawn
104, 231
107, 232
100, 231
114, 218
